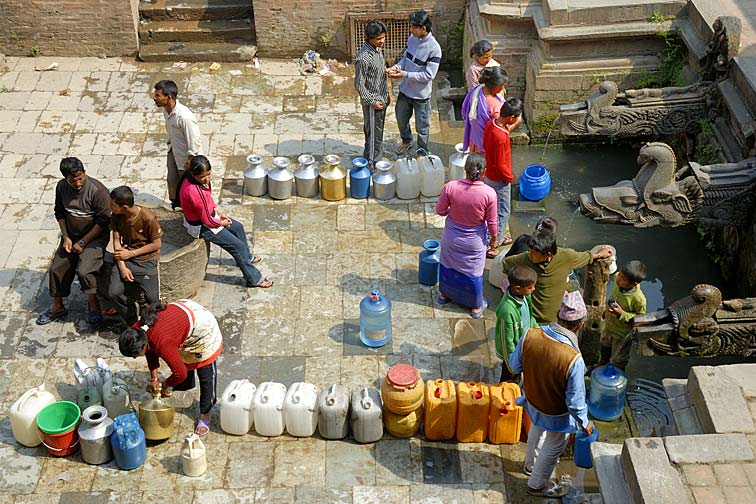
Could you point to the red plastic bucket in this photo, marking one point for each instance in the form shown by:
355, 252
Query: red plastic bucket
58, 423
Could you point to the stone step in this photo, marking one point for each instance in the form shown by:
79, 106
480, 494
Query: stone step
741, 120
683, 412
649, 475
196, 31
168, 10
608, 466
718, 401
743, 76
234, 51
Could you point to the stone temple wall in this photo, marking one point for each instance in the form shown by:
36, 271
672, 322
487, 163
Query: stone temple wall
290, 27
68, 27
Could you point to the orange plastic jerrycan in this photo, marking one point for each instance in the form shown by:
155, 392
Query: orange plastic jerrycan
504, 416
440, 410
402, 389
472, 412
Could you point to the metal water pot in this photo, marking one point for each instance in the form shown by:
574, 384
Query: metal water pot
457, 162
94, 434
306, 177
333, 179
156, 418
384, 181
280, 179
255, 176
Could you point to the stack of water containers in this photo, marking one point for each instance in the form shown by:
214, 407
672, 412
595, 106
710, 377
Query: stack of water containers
402, 391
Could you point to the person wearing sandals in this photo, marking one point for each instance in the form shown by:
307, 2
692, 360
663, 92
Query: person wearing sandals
82, 209
469, 206
203, 218
187, 337
553, 392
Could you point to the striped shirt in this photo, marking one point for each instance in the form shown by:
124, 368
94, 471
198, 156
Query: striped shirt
370, 76
420, 64
83, 209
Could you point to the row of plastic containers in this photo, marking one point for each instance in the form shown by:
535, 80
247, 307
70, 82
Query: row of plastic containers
412, 177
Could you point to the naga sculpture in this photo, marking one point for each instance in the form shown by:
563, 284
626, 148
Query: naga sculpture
660, 195
653, 112
700, 325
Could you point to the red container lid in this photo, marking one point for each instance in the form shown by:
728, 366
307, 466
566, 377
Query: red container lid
403, 375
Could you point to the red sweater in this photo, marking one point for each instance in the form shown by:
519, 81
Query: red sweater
165, 338
498, 153
198, 205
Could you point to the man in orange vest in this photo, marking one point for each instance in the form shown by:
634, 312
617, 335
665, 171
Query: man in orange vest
553, 392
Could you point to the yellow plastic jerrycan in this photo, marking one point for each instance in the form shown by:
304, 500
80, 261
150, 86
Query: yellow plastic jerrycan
504, 416
440, 409
405, 425
472, 412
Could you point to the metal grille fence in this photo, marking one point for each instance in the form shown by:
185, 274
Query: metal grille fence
398, 32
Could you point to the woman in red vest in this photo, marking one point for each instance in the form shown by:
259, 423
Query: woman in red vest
187, 337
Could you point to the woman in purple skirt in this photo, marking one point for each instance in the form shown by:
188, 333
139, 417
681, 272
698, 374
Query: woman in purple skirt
470, 208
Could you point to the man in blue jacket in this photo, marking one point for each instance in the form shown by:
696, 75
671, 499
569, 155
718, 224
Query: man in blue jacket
416, 69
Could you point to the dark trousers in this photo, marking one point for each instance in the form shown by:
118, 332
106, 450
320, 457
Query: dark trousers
145, 277
233, 240
405, 108
67, 264
373, 129
208, 378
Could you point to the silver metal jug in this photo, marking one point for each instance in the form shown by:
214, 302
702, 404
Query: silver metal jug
255, 176
384, 181
280, 179
307, 177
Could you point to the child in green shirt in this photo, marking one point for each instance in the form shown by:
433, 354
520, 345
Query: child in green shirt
626, 300
514, 315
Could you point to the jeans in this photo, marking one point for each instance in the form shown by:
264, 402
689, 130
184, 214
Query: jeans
233, 240
373, 129
503, 202
208, 378
405, 106
542, 454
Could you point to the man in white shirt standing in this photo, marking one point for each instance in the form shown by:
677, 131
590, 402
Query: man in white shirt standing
184, 137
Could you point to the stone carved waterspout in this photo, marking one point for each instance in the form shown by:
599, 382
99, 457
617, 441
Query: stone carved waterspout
701, 325
660, 195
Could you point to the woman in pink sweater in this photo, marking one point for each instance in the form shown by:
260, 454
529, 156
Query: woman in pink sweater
203, 218
470, 208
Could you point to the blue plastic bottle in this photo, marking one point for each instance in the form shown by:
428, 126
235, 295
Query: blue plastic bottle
375, 319
583, 447
129, 447
359, 179
607, 393
429, 261
535, 182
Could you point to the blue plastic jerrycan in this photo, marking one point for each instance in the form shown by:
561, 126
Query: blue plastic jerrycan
129, 447
359, 179
606, 399
375, 319
583, 447
429, 261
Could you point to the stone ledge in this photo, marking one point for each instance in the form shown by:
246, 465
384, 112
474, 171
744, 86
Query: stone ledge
708, 448
606, 460
744, 375
649, 475
719, 403
686, 420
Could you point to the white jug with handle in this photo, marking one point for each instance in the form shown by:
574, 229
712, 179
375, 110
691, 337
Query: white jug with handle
23, 415
193, 456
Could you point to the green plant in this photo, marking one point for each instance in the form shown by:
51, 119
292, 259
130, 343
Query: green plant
706, 235
36, 49
14, 36
707, 150
455, 32
4, 89
541, 125
671, 62
658, 18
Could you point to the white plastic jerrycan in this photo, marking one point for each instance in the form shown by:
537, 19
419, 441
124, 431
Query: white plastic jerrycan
115, 397
236, 408
301, 409
23, 415
268, 409
407, 178
432, 174
193, 456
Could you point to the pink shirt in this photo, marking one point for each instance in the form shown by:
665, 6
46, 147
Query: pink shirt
198, 205
469, 203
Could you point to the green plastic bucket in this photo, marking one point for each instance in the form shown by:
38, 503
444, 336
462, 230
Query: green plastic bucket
58, 417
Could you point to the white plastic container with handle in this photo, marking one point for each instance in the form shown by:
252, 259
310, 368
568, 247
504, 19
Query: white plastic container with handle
236, 408
301, 409
269, 409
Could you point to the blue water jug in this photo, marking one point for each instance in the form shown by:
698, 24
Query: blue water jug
375, 319
583, 447
429, 260
535, 183
359, 179
129, 447
607, 393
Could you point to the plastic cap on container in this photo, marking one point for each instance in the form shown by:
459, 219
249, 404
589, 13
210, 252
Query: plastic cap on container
375, 295
403, 375
359, 162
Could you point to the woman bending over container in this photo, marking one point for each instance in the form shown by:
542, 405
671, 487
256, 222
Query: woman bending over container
203, 218
470, 209
187, 337
482, 104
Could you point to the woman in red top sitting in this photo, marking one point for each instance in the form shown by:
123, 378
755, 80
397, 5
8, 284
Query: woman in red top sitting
187, 337
202, 217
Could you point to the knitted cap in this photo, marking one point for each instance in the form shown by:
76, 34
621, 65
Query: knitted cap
573, 307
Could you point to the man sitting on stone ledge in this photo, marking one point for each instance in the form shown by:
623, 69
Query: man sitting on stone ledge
82, 209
